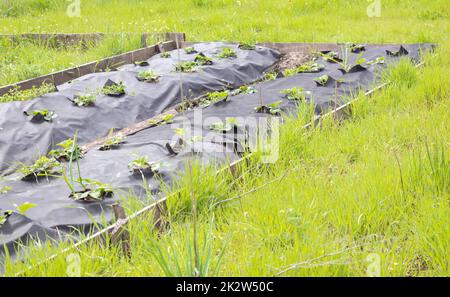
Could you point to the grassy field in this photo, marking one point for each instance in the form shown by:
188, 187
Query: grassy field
341, 199
308, 21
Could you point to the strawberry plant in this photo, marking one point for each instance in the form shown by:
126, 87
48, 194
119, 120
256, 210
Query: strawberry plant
217, 96
356, 48
227, 53
190, 50
244, 90
321, 80
270, 76
165, 55
289, 72
84, 100
147, 76
40, 115
273, 108
143, 166
43, 166
67, 151
113, 89
295, 93
201, 59
310, 67
93, 190
186, 66
112, 142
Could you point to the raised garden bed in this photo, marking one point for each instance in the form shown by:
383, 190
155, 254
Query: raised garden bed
160, 141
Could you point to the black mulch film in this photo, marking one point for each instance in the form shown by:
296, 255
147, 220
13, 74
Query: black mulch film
56, 214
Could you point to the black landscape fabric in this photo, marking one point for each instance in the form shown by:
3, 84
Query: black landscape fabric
56, 214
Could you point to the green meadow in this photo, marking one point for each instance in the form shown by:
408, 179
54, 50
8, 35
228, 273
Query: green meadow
345, 196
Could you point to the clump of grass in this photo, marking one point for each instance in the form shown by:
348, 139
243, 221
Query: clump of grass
247, 46
165, 55
15, 94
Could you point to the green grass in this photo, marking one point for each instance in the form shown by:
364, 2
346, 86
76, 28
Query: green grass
376, 184
400, 22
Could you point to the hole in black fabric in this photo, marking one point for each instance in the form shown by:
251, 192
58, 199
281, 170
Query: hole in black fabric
401, 52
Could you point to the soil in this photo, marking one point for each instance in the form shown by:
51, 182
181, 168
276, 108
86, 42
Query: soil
291, 60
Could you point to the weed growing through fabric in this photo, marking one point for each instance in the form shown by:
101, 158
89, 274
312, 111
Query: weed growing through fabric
227, 53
